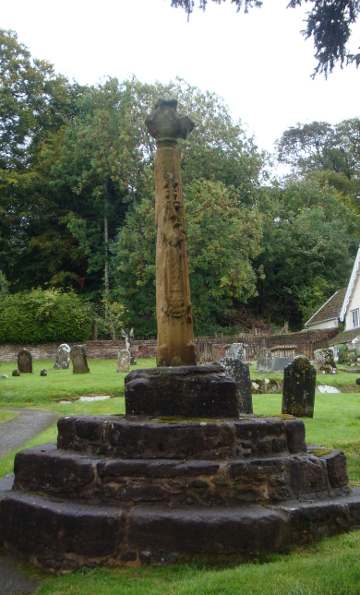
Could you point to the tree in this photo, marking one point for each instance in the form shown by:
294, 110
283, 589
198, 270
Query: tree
310, 239
329, 23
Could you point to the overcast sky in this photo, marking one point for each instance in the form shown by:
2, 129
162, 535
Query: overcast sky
259, 62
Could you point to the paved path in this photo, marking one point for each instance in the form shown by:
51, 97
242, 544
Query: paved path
17, 431
12, 580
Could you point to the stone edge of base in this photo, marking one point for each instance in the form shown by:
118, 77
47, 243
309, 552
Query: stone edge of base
62, 536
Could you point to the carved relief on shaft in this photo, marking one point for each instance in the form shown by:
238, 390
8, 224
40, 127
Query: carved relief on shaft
173, 304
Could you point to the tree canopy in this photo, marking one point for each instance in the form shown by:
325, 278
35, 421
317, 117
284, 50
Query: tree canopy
328, 23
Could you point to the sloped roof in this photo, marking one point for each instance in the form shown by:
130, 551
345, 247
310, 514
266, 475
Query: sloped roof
345, 337
351, 286
330, 310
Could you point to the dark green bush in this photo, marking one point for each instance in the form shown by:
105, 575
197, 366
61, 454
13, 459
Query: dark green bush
39, 316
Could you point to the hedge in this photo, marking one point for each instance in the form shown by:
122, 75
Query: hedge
41, 316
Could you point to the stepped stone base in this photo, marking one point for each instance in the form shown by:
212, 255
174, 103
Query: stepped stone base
65, 536
139, 489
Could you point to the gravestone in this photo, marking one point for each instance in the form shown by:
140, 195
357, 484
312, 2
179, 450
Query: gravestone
236, 351
62, 357
325, 363
123, 361
357, 381
239, 371
280, 363
79, 360
299, 388
264, 360
25, 361
43, 372
15, 373
129, 337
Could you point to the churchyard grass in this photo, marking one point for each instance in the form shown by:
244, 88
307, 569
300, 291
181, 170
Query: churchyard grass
30, 390
7, 415
331, 566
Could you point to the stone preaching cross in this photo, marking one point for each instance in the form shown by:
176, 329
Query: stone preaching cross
175, 343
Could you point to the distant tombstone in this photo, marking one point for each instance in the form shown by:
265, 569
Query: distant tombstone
325, 362
15, 373
236, 351
62, 357
79, 360
129, 337
299, 388
25, 361
357, 381
123, 361
43, 372
280, 363
239, 371
264, 360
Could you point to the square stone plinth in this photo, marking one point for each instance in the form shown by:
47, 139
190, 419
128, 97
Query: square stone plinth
186, 391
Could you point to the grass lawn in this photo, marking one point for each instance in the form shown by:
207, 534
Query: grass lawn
329, 567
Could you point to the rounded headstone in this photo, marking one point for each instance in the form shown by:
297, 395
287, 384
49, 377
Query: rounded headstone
325, 362
236, 351
62, 357
43, 372
357, 381
299, 388
25, 361
79, 359
123, 361
16, 373
264, 360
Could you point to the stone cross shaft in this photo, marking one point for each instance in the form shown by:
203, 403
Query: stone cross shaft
175, 340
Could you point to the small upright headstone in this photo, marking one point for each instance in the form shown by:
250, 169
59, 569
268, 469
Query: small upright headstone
123, 361
357, 381
62, 357
280, 363
25, 361
239, 371
264, 360
16, 373
43, 372
236, 351
325, 362
299, 388
79, 360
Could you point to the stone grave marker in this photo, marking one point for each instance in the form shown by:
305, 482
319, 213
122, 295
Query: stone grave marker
43, 372
236, 351
15, 373
280, 363
264, 360
325, 363
25, 362
239, 371
62, 357
299, 388
123, 361
79, 360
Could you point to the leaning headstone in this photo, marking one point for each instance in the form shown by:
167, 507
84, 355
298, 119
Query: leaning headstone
264, 360
280, 363
325, 363
299, 388
123, 361
43, 372
79, 360
62, 357
25, 361
15, 373
236, 351
239, 371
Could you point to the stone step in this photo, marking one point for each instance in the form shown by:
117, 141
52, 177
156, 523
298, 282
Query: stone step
174, 438
63, 535
236, 482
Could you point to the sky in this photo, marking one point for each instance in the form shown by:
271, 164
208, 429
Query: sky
259, 62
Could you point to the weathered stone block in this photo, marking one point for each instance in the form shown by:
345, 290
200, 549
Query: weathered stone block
239, 371
299, 388
336, 466
187, 391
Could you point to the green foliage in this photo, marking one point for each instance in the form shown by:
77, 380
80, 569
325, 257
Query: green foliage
3, 284
310, 239
222, 240
39, 316
348, 356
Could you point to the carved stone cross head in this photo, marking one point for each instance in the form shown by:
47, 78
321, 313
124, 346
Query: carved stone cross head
165, 122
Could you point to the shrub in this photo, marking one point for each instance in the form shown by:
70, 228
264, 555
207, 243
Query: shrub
38, 316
